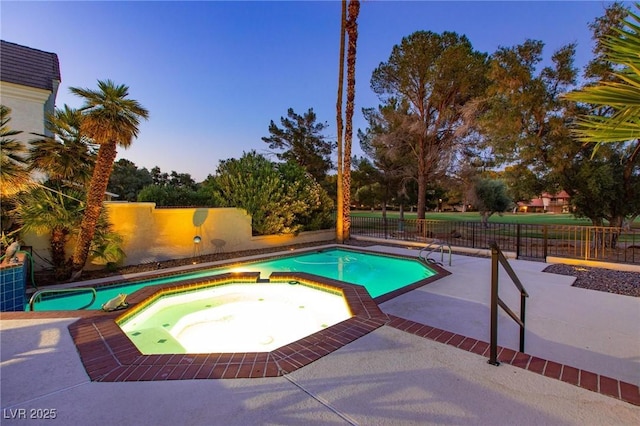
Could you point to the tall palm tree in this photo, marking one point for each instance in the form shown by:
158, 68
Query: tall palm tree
340, 187
111, 119
14, 176
352, 32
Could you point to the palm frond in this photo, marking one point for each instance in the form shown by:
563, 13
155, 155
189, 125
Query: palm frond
14, 176
622, 94
109, 115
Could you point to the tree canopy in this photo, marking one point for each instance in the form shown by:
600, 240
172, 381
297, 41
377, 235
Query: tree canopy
127, 180
434, 75
282, 198
300, 140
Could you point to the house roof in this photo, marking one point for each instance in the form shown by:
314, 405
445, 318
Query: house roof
561, 194
27, 66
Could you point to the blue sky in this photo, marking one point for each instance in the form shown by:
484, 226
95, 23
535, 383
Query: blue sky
213, 74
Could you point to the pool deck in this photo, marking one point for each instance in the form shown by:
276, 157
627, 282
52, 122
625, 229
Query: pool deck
426, 365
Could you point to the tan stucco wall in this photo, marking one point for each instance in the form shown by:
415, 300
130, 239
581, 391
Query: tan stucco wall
152, 234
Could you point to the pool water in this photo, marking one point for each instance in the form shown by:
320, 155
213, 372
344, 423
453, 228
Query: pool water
379, 274
234, 317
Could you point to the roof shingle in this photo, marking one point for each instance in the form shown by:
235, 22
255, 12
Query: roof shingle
27, 66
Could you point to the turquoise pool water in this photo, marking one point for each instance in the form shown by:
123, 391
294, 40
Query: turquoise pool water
379, 274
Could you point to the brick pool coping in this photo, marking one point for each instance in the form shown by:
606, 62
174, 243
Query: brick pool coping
582, 378
108, 355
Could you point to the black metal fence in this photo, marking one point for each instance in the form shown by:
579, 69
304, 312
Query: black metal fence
534, 242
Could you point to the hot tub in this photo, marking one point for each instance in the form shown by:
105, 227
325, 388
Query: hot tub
233, 317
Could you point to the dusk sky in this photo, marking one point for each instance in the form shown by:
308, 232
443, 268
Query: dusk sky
213, 74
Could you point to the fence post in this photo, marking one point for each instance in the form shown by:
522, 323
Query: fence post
517, 241
493, 346
544, 243
473, 235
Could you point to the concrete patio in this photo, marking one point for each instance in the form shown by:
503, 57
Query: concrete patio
389, 376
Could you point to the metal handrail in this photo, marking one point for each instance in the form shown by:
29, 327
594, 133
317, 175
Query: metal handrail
438, 244
498, 258
39, 293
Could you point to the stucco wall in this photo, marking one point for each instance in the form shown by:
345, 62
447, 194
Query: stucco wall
152, 234
28, 106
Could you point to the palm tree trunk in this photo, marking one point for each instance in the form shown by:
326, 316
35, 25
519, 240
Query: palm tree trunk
352, 31
95, 197
339, 183
58, 255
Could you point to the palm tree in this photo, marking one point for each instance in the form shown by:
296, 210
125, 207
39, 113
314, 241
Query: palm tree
340, 188
111, 119
621, 94
55, 207
68, 156
54, 213
352, 32
14, 176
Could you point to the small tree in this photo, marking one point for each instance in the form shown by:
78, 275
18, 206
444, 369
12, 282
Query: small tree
490, 196
56, 215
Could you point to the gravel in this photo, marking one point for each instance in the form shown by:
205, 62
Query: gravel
600, 279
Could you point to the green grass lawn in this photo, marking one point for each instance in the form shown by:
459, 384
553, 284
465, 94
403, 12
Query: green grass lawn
524, 218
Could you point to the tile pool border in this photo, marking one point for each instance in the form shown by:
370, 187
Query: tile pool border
188, 269
108, 355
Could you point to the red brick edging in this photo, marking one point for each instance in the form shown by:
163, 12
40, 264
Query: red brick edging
108, 355
585, 379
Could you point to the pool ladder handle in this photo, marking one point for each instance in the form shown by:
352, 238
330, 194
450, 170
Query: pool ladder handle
433, 246
39, 293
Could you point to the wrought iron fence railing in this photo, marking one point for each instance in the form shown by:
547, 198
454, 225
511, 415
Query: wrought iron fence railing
534, 242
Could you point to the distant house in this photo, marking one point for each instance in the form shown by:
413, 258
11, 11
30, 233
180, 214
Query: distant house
547, 203
29, 80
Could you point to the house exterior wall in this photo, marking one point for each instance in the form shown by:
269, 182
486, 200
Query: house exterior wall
29, 107
152, 235
558, 203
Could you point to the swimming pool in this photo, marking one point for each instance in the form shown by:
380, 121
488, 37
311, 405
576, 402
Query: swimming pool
379, 274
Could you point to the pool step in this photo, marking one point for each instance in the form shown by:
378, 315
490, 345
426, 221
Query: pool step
159, 339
